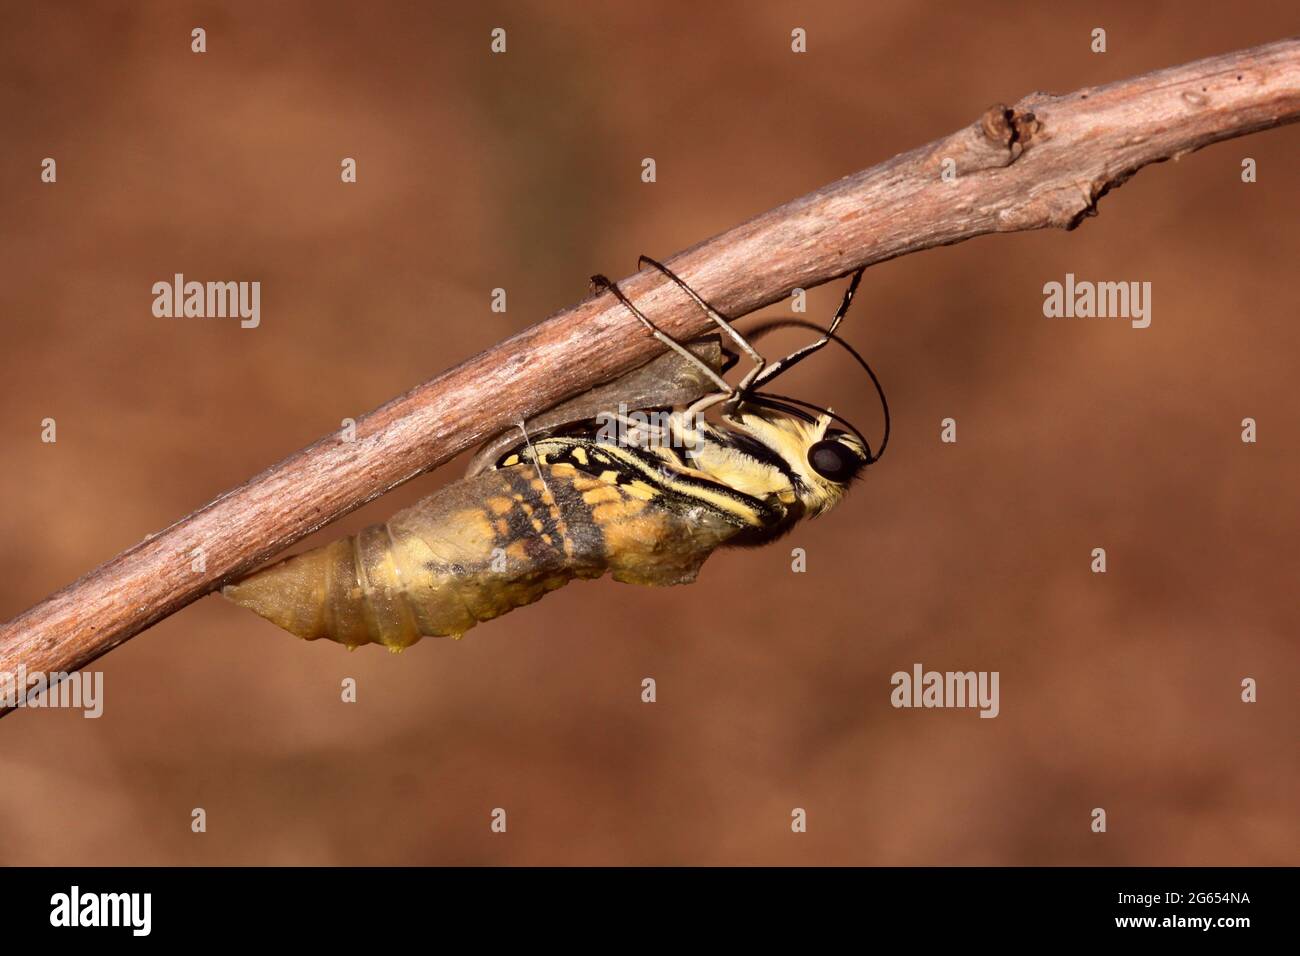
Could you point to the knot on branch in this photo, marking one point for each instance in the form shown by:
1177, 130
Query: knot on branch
995, 141
1010, 129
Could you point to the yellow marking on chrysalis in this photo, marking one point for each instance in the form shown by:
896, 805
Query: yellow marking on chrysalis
476, 523
639, 489
720, 500
624, 508
600, 495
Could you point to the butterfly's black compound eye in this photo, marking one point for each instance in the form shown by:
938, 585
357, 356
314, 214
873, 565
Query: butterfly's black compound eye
834, 461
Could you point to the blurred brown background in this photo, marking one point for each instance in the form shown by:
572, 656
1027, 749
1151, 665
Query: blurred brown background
522, 171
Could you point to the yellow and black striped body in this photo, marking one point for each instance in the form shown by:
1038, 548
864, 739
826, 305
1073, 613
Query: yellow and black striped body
553, 510
565, 500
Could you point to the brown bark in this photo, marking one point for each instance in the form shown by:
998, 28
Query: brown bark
1043, 162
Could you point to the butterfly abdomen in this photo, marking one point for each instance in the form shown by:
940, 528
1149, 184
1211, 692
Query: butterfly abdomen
474, 551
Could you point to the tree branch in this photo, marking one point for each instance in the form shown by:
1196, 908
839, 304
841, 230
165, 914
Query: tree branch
1043, 162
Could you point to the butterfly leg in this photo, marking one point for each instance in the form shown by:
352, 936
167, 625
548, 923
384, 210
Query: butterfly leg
725, 390
798, 355
639, 432
720, 320
602, 282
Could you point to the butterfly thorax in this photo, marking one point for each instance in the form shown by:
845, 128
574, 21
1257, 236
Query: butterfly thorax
767, 455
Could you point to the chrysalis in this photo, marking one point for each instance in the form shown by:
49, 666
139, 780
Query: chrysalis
565, 497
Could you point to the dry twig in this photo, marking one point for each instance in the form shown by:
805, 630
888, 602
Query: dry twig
1043, 162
